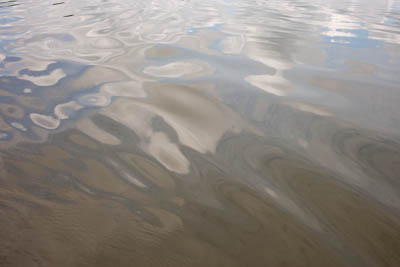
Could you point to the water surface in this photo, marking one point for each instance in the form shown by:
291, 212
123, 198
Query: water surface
200, 133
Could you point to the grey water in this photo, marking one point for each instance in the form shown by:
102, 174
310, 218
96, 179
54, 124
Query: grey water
200, 133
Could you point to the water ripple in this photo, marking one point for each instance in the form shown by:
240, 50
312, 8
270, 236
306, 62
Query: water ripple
199, 133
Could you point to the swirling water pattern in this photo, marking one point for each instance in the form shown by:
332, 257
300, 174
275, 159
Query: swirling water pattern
200, 133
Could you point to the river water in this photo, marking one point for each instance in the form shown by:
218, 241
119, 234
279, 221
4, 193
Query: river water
200, 133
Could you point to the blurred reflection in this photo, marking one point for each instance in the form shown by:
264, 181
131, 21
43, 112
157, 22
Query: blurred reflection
199, 133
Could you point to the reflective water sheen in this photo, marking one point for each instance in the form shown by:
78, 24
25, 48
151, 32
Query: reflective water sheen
200, 133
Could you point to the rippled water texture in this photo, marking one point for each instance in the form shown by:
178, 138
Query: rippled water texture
200, 133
